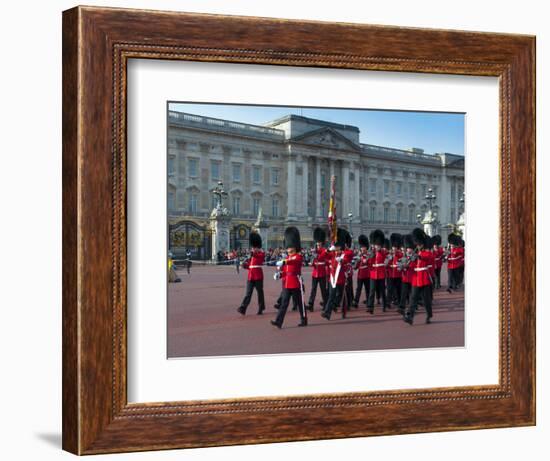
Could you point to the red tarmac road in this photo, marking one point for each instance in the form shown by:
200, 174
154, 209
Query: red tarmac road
203, 321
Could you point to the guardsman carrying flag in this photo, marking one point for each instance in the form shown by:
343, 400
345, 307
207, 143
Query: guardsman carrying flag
255, 274
292, 278
319, 273
337, 277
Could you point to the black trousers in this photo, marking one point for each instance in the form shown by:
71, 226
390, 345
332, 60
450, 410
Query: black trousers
362, 283
425, 293
288, 293
394, 290
460, 275
349, 291
334, 299
453, 279
378, 288
280, 300
405, 294
438, 277
259, 286
320, 282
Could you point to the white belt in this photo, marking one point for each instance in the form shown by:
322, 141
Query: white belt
437, 259
378, 265
254, 267
394, 265
417, 269
319, 264
363, 267
452, 259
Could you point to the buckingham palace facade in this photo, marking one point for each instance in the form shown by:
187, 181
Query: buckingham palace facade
284, 167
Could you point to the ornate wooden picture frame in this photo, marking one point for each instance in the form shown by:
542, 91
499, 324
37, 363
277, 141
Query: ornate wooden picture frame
97, 44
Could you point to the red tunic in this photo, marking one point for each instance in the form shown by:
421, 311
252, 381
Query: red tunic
362, 267
438, 256
348, 262
320, 263
292, 269
393, 271
454, 261
336, 276
254, 265
377, 266
421, 270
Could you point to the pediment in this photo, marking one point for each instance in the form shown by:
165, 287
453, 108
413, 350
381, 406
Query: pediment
326, 137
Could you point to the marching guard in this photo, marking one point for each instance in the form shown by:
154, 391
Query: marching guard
421, 280
454, 261
319, 273
438, 258
337, 277
255, 278
362, 267
291, 272
406, 272
377, 264
394, 275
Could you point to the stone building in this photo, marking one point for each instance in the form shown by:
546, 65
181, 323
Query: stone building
284, 167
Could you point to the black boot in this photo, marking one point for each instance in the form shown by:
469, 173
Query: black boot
275, 323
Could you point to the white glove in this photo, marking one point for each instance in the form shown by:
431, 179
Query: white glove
276, 275
279, 263
339, 258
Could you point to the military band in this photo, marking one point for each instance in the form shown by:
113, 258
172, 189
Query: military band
402, 271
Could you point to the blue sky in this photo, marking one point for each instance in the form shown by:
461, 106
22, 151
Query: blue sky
431, 131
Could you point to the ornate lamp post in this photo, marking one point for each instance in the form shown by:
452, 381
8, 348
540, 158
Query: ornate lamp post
219, 192
430, 219
350, 220
461, 223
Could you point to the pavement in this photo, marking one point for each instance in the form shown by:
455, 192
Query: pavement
203, 320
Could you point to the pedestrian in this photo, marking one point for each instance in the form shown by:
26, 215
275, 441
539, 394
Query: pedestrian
188, 261
421, 283
292, 274
319, 272
237, 260
362, 267
377, 264
255, 274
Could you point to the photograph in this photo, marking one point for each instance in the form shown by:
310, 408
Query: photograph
313, 229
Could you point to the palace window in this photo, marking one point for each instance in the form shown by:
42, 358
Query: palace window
256, 174
171, 201
398, 214
236, 172
412, 217
215, 170
323, 180
193, 167
372, 183
372, 213
386, 187
453, 193
255, 206
193, 203
275, 208
171, 165
424, 190
398, 187
275, 176
236, 205
386, 214
412, 190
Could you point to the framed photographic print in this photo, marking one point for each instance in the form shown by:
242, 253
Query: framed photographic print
330, 234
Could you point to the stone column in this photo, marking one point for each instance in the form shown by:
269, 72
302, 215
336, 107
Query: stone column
219, 224
305, 185
346, 205
291, 186
318, 198
444, 201
357, 201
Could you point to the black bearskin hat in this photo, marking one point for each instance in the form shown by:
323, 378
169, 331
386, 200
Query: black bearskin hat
436, 240
429, 242
292, 238
453, 239
341, 237
377, 237
386, 244
255, 240
408, 241
419, 237
363, 241
319, 235
396, 240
